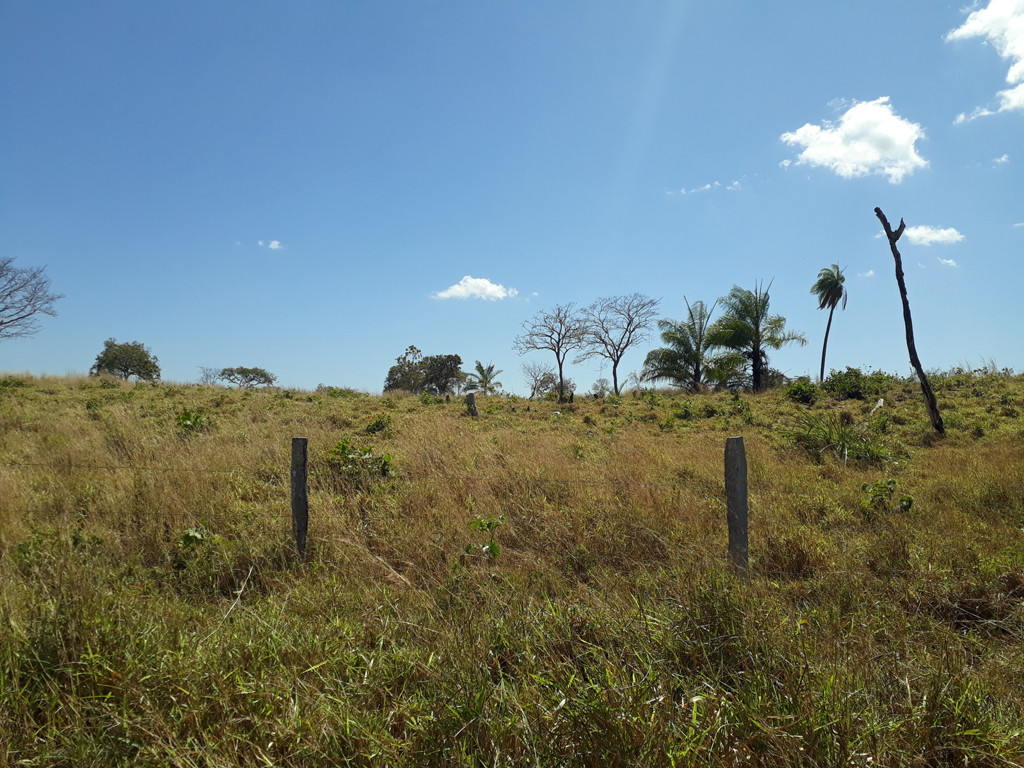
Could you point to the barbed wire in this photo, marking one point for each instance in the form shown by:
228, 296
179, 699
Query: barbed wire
112, 467
716, 514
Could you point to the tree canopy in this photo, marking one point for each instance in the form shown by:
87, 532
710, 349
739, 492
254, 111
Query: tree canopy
125, 360
747, 328
830, 291
687, 360
484, 378
247, 378
436, 374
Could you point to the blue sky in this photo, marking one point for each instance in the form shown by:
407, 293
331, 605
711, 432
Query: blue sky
306, 186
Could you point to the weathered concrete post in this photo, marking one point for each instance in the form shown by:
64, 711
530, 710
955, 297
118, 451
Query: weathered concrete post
736, 502
300, 495
471, 405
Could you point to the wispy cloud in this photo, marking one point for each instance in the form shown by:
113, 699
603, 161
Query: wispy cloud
1002, 160
274, 245
932, 235
1019, 224
948, 263
869, 273
869, 138
476, 288
734, 186
1000, 23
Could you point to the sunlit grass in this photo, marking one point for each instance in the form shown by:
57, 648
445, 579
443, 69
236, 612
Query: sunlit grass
153, 612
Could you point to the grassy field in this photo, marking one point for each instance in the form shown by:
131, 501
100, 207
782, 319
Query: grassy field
543, 585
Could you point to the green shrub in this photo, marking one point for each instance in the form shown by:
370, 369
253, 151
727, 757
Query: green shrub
854, 384
802, 391
327, 391
818, 433
379, 423
879, 499
358, 466
190, 422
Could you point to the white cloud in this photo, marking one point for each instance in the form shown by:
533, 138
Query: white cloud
735, 186
1019, 224
869, 273
1002, 160
259, 242
476, 288
948, 263
1001, 23
275, 245
932, 235
868, 139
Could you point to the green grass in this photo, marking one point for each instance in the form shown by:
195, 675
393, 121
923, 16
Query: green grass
153, 612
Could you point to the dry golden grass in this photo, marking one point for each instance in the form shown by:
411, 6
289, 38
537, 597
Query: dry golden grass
155, 613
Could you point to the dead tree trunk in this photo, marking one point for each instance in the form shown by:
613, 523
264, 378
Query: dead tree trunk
929, 396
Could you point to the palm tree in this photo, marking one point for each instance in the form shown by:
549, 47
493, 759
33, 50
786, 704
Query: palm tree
687, 360
747, 328
830, 291
484, 378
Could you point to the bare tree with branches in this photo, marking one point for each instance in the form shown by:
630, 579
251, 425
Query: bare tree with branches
613, 325
559, 330
539, 376
24, 294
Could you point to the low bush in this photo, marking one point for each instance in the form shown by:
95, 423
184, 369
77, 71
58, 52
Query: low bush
801, 391
854, 384
830, 432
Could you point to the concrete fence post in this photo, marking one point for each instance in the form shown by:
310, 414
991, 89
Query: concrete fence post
300, 494
736, 502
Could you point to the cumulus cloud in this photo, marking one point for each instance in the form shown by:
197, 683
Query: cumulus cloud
1002, 160
869, 273
948, 263
932, 235
274, 245
868, 139
476, 288
1000, 23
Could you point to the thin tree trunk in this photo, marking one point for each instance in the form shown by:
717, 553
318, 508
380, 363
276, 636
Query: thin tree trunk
615, 377
926, 390
821, 376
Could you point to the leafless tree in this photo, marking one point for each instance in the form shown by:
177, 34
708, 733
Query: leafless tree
926, 389
538, 376
24, 294
559, 330
613, 325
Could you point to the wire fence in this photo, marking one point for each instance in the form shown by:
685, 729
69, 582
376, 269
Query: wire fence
323, 482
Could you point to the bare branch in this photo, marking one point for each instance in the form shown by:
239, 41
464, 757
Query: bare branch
24, 294
615, 324
559, 330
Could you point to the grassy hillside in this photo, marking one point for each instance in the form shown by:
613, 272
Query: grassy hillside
543, 585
